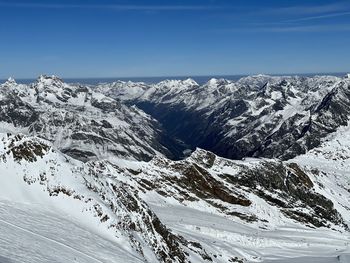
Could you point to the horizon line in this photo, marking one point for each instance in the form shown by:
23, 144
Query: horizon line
183, 76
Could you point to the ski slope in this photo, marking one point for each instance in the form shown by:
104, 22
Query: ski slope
33, 233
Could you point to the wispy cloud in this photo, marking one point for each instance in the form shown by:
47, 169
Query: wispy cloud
305, 13
301, 18
308, 28
308, 9
289, 29
111, 7
320, 17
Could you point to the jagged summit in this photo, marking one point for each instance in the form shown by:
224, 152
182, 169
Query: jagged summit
49, 79
11, 80
217, 82
45, 82
190, 81
176, 84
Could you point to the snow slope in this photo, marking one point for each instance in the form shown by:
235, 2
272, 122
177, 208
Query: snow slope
39, 226
51, 199
38, 233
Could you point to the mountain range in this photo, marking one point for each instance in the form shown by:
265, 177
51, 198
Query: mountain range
253, 170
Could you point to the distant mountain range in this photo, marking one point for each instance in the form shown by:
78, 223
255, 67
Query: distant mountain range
201, 79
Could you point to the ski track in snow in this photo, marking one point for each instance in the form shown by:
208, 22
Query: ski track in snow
50, 240
29, 234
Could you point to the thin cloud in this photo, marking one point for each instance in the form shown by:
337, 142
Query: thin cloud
300, 14
111, 7
308, 9
289, 29
311, 28
315, 12
325, 16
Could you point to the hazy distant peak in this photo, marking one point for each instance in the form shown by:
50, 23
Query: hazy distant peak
11, 80
49, 79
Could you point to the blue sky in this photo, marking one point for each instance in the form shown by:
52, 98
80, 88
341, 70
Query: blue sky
101, 38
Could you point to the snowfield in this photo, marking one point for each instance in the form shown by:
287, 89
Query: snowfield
283, 244
35, 233
36, 227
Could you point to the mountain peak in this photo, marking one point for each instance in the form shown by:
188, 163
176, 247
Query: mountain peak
203, 157
48, 80
178, 83
217, 82
10, 82
190, 81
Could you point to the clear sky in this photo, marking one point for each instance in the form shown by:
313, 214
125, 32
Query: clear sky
106, 38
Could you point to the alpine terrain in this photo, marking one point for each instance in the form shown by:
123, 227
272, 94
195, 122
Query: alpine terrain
254, 170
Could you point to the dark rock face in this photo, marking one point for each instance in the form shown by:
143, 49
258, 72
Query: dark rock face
288, 187
137, 216
17, 112
83, 156
331, 113
22, 150
201, 177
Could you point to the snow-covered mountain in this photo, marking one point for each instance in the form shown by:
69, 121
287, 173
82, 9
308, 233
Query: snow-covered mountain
80, 122
257, 116
34, 173
78, 185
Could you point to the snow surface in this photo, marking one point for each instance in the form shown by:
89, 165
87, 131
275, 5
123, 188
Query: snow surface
37, 227
32, 233
226, 237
